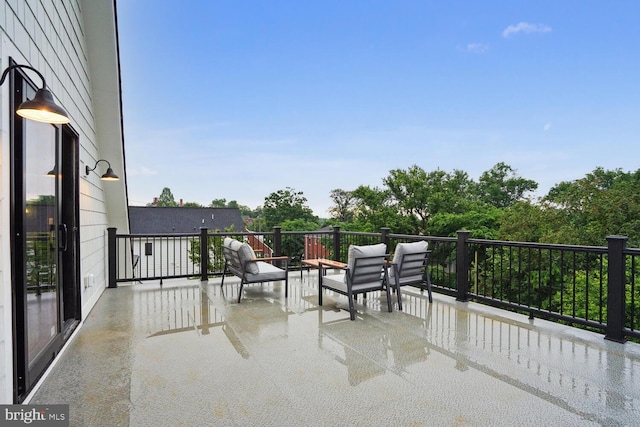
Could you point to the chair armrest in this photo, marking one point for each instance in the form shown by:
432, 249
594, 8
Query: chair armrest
333, 264
270, 259
273, 258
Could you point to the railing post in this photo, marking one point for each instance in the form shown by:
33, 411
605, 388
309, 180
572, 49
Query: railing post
384, 236
112, 256
462, 266
336, 243
277, 243
277, 240
204, 254
616, 288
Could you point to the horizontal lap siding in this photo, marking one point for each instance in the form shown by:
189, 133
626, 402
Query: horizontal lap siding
51, 36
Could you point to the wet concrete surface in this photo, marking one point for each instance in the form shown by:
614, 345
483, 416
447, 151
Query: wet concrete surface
186, 354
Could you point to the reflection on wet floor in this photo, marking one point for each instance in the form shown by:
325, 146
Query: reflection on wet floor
193, 356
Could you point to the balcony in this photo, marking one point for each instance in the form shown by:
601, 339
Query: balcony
185, 353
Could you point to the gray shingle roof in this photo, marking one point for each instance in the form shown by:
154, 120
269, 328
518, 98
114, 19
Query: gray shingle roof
162, 220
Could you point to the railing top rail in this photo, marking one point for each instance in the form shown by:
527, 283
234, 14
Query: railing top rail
239, 233
595, 249
416, 237
330, 232
147, 235
359, 233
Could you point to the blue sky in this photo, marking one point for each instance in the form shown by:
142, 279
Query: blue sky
239, 99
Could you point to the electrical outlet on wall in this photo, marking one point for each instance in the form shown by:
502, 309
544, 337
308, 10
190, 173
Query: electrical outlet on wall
89, 281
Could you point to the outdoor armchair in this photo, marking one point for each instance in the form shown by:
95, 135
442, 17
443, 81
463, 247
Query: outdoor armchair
366, 271
241, 261
410, 266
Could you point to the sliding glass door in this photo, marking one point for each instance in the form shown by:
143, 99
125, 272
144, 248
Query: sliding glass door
44, 251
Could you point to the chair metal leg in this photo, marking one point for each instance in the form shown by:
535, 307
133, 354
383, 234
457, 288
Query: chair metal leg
389, 305
399, 294
286, 286
352, 309
240, 292
320, 286
429, 287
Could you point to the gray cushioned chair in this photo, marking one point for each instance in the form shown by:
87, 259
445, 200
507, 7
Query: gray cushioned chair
410, 266
366, 271
241, 261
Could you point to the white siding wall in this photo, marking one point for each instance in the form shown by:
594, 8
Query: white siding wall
51, 36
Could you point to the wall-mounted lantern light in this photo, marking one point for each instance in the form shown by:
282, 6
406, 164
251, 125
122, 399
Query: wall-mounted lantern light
41, 108
108, 175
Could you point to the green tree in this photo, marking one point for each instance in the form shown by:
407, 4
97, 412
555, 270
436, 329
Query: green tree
375, 209
343, 207
501, 187
419, 195
482, 221
166, 198
218, 203
602, 203
524, 221
286, 204
291, 245
191, 205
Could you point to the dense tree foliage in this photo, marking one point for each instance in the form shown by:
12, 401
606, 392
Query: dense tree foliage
497, 206
191, 205
222, 203
415, 201
343, 207
166, 199
600, 204
501, 187
286, 204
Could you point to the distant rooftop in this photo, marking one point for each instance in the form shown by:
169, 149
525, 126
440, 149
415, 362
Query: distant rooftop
151, 220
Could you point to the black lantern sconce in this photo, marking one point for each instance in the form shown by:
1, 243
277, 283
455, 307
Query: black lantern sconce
108, 175
41, 108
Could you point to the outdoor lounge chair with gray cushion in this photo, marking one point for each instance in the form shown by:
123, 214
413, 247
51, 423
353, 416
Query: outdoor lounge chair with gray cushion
241, 261
366, 271
410, 266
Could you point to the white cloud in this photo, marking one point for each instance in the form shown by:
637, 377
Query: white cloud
525, 27
547, 127
142, 171
477, 47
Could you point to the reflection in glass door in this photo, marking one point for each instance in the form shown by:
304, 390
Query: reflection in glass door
41, 234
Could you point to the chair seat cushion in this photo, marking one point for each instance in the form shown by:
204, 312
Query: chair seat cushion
265, 272
337, 283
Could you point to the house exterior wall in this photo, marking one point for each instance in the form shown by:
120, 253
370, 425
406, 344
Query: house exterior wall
73, 43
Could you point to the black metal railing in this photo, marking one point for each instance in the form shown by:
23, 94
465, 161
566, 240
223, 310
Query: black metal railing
593, 287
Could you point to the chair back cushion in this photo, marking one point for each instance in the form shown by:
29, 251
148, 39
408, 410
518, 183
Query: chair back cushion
246, 253
364, 251
409, 248
237, 253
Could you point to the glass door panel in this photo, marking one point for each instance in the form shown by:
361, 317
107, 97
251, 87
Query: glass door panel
41, 237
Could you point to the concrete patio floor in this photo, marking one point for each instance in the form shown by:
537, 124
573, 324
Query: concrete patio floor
186, 354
